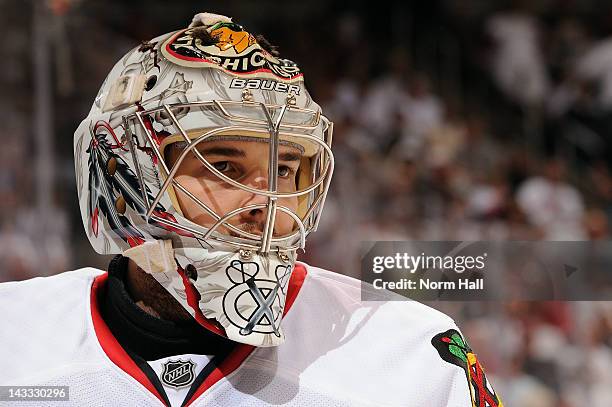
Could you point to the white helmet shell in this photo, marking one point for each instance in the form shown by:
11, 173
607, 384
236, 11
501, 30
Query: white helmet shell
210, 81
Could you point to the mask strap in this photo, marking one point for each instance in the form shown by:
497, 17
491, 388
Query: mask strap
153, 256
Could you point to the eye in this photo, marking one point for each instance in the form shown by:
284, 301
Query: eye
285, 171
229, 169
222, 166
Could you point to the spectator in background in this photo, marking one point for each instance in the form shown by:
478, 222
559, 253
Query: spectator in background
422, 112
598, 356
385, 96
596, 225
518, 64
19, 258
552, 204
526, 391
594, 66
600, 187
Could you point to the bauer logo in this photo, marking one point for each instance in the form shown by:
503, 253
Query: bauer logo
264, 84
178, 373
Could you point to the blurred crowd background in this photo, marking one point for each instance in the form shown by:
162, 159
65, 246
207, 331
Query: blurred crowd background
454, 120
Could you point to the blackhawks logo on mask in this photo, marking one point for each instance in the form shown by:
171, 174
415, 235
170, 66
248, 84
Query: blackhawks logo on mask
454, 349
229, 47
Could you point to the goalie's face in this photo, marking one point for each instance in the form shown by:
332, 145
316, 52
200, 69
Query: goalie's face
245, 162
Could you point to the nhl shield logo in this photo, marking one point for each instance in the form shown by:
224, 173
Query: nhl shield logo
178, 373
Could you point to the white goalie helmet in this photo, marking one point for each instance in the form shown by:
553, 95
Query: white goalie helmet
163, 105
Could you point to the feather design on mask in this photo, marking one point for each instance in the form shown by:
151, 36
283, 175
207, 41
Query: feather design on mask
113, 187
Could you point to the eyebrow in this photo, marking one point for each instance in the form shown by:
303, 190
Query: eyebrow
289, 156
236, 152
226, 151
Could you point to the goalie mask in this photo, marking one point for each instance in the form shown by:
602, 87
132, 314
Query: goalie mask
205, 161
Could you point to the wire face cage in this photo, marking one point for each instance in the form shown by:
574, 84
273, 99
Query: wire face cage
190, 127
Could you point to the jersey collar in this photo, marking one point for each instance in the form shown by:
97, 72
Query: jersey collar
117, 354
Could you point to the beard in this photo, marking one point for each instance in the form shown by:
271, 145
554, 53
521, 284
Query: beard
255, 228
252, 227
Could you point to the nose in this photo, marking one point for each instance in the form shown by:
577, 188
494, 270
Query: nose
260, 182
257, 215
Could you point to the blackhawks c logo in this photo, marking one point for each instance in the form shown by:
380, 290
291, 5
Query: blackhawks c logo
454, 349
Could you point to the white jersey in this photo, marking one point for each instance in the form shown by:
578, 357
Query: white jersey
339, 351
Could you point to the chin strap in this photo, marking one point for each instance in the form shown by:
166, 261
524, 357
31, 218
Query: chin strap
153, 256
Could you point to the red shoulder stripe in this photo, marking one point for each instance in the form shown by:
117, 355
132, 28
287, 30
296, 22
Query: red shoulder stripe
109, 343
